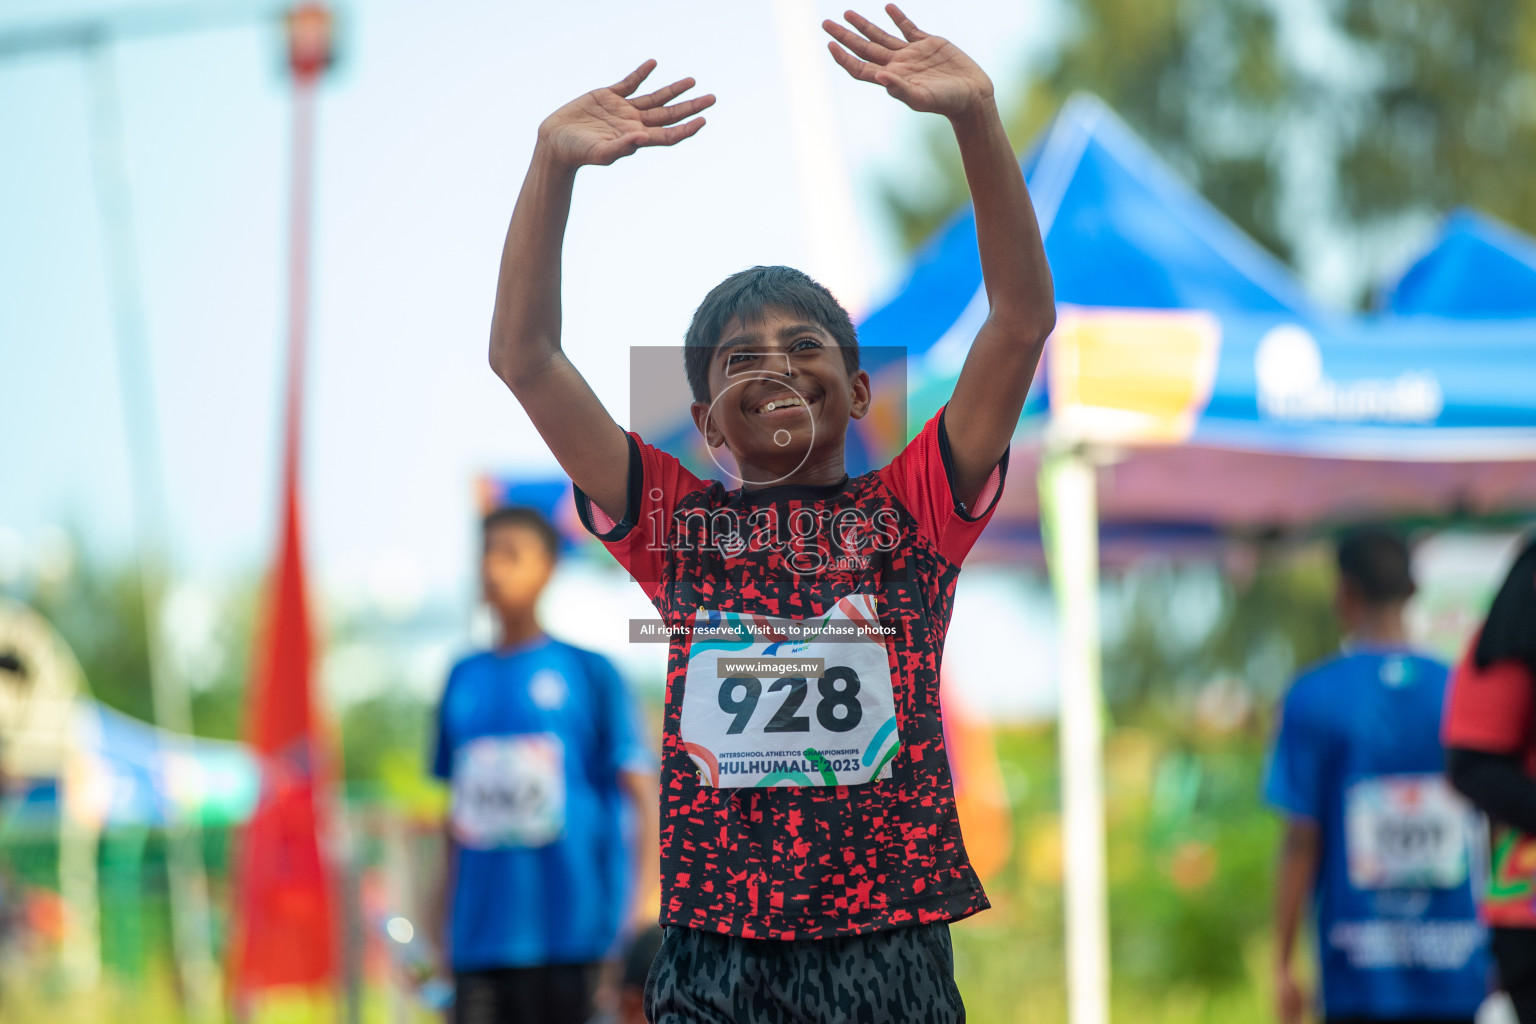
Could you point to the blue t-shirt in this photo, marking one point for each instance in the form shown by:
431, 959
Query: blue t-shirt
533, 740
1358, 752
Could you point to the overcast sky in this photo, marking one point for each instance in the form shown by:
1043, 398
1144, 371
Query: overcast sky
425, 131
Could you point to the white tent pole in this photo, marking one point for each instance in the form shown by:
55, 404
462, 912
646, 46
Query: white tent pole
1069, 515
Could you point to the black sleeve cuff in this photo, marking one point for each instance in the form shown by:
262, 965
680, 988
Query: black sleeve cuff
949, 475
1496, 785
631, 499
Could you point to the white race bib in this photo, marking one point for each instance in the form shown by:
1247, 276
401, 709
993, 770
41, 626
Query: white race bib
1405, 832
790, 702
509, 791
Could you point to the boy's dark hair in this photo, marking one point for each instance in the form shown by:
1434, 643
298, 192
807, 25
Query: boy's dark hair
523, 515
745, 295
1509, 634
1376, 563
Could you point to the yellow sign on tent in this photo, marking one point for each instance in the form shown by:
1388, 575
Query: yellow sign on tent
1132, 376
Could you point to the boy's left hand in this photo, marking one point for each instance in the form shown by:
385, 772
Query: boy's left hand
927, 73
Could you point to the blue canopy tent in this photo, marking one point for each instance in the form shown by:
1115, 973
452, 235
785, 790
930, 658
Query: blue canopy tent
1191, 390
1286, 399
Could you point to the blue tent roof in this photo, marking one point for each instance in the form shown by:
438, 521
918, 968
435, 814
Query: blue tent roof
1477, 268
1120, 229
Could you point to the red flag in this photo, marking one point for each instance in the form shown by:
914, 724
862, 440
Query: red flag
284, 928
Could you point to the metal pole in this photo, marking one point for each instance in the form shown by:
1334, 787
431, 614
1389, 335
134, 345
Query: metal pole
301, 185
1069, 513
190, 919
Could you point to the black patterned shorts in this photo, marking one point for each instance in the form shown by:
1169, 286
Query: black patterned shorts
905, 974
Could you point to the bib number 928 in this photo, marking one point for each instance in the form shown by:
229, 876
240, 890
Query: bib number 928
837, 709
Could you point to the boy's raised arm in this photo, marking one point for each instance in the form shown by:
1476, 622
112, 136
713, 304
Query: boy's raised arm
931, 74
597, 128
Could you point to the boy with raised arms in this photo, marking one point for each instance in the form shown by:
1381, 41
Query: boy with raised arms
810, 851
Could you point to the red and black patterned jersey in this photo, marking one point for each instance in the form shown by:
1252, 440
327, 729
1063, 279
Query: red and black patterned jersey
791, 862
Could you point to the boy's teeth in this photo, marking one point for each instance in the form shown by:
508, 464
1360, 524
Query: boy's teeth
780, 403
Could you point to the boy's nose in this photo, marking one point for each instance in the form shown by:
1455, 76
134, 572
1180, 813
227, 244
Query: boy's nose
782, 364
779, 363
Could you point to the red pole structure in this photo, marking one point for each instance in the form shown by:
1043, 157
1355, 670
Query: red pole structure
309, 52
283, 932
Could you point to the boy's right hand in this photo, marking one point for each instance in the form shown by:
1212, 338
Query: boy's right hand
606, 124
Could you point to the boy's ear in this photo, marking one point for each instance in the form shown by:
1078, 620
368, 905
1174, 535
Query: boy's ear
706, 424
859, 385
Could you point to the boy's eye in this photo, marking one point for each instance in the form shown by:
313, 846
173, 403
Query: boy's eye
804, 343
736, 357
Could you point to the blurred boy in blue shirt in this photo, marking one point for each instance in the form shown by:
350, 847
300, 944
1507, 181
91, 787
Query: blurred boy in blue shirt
1374, 833
550, 784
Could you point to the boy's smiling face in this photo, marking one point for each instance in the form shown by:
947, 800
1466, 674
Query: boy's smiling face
780, 399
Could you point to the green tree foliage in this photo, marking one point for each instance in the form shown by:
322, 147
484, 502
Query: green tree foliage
97, 606
386, 734
1190, 851
1174, 630
1448, 115
99, 611
1278, 620
1395, 107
